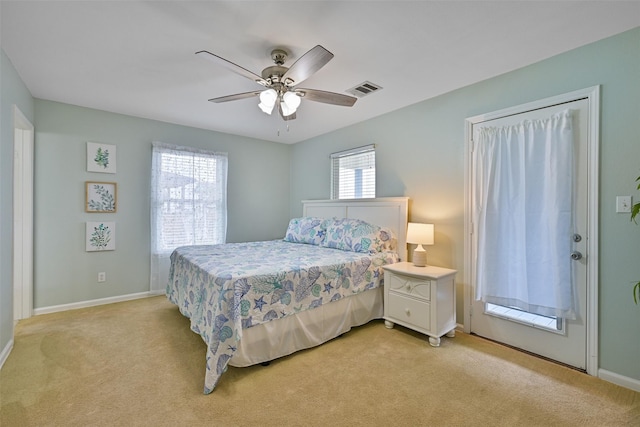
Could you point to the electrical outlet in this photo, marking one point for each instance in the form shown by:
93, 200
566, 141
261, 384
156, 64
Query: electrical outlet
623, 204
102, 277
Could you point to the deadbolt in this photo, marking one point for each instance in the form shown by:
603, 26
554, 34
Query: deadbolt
575, 255
577, 238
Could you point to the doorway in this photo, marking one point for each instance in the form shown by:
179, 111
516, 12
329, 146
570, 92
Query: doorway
569, 341
23, 173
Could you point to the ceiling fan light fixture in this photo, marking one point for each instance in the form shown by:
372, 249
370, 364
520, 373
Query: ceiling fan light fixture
265, 108
286, 111
292, 100
268, 100
290, 103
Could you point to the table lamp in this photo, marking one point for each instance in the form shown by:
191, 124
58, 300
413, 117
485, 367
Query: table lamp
420, 234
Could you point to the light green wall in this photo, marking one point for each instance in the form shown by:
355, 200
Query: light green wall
420, 154
258, 197
12, 92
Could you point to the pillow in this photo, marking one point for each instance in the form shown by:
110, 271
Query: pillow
358, 236
309, 230
388, 241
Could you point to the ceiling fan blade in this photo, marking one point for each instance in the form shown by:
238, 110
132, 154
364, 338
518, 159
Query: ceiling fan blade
327, 97
307, 64
235, 97
233, 67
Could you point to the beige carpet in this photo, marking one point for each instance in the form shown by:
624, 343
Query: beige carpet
138, 364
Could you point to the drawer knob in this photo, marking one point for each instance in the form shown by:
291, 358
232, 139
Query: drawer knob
407, 311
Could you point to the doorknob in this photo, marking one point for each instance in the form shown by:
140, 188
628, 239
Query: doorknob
576, 255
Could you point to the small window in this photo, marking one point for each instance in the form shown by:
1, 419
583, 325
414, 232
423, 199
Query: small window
353, 173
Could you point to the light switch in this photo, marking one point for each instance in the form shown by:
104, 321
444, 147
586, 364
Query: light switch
623, 204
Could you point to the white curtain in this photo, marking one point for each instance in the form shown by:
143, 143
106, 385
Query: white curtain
188, 203
523, 215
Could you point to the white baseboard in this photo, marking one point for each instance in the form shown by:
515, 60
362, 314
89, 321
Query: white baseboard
91, 303
618, 379
5, 352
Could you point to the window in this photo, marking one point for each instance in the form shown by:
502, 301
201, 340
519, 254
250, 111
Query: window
353, 173
188, 203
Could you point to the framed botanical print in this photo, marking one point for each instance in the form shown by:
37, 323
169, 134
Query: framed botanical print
101, 157
100, 236
101, 197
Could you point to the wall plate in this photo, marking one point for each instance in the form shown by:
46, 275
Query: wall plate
623, 204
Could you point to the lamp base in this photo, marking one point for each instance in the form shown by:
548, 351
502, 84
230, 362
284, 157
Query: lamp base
419, 257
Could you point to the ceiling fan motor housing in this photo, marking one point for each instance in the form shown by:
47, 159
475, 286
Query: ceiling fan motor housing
279, 56
274, 73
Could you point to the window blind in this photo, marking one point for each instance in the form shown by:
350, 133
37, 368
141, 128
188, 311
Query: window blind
189, 197
353, 173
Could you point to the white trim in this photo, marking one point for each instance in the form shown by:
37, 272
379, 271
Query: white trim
467, 275
6, 351
23, 211
593, 314
92, 303
593, 95
357, 150
620, 380
164, 146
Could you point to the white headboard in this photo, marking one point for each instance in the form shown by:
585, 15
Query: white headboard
390, 212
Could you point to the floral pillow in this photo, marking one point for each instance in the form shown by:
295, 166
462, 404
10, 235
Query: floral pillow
358, 236
309, 230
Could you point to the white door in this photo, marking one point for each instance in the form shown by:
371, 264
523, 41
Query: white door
559, 339
22, 216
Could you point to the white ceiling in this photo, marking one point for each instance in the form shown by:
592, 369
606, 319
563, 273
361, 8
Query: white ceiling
137, 58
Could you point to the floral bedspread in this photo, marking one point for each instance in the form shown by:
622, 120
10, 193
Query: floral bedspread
223, 289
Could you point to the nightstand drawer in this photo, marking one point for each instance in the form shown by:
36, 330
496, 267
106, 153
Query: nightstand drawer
419, 288
409, 310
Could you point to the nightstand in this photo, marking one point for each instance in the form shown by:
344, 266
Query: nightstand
420, 298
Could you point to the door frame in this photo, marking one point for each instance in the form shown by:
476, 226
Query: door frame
23, 215
592, 94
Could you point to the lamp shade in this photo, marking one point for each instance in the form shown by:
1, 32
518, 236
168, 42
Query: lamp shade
420, 234
292, 100
290, 103
268, 100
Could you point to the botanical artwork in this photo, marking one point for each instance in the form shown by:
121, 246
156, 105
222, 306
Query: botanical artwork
100, 236
101, 157
100, 196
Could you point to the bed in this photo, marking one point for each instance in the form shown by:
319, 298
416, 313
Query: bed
255, 302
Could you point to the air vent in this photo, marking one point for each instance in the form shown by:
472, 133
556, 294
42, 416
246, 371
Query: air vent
364, 89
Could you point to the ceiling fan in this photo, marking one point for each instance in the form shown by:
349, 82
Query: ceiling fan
281, 82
